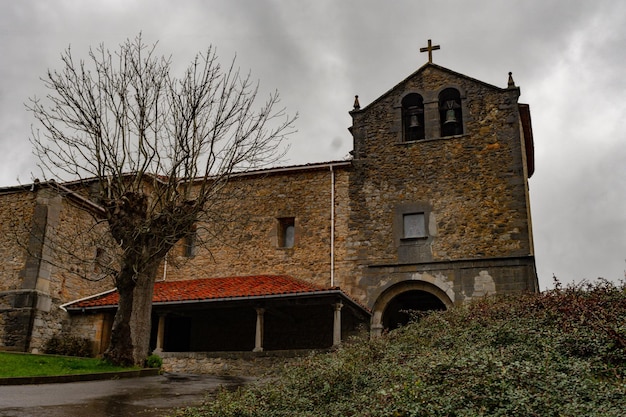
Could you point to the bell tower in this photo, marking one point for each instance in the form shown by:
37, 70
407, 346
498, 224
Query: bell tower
439, 191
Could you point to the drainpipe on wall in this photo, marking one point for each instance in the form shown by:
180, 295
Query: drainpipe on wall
332, 227
165, 266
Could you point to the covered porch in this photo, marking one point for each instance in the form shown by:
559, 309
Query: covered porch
238, 314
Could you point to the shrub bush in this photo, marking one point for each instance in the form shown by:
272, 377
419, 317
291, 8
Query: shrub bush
68, 346
154, 361
559, 353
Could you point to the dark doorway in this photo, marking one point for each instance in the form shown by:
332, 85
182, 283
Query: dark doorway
178, 334
399, 310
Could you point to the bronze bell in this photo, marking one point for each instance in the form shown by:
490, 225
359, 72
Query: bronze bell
414, 121
450, 117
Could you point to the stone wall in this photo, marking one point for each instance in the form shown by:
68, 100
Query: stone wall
40, 242
47, 324
16, 211
248, 243
254, 364
19, 295
76, 274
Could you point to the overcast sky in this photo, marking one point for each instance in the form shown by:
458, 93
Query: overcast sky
567, 56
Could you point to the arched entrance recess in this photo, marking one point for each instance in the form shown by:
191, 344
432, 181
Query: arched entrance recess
407, 295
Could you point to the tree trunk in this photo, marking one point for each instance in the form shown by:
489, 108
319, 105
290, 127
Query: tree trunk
130, 335
141, 317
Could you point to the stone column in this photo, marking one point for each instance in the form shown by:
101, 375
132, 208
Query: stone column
258, 339
431, 119
376, 330
337, 324
376, 326
160, 334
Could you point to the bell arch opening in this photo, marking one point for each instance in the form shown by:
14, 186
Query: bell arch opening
402, 307
450, 112
413, 117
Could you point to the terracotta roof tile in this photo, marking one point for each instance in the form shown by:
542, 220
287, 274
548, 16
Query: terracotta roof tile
209, 289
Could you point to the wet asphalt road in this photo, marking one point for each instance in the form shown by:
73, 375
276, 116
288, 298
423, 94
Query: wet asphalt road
154, 396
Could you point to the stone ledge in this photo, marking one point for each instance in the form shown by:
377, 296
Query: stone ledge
522, 260
241, 354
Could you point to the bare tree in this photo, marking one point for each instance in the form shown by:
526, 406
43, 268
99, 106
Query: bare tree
159, 150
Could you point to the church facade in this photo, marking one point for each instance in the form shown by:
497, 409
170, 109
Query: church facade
431, 210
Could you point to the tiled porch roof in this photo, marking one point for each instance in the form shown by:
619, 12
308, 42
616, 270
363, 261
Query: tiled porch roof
212, 289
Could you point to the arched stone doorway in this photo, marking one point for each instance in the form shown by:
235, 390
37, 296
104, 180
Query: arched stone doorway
393, 306
399, 310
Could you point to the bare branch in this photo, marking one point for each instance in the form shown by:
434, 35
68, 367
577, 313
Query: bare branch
155, 151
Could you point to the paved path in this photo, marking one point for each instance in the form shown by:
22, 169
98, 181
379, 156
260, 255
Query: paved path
153, 396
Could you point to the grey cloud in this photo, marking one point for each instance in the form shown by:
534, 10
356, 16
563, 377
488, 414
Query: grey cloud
567, 56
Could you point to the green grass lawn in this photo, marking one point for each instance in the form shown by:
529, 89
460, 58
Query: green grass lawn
22, 365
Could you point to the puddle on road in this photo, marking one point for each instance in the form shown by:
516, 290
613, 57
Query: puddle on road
138, 400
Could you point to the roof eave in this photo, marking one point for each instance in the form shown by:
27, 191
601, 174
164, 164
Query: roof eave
307, 294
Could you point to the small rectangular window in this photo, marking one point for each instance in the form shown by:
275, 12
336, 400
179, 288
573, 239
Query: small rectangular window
189, 243
414, 225
286, 232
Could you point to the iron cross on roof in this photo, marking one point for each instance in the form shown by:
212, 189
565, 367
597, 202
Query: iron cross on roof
430, 48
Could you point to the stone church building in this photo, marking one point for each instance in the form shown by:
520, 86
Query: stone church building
431, 210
